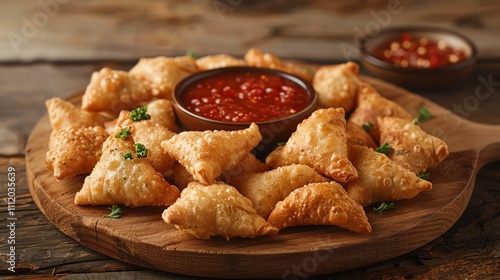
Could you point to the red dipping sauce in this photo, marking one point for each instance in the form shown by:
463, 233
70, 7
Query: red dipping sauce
245, 97
412, 52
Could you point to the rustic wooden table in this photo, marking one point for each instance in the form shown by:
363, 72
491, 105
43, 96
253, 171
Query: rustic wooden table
50, 48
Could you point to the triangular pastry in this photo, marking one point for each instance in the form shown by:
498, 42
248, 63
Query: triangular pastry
63, 114
337, 85
319, 142
381, 179
161, 73
320, 204
267, 188
414, 148
206, 154
372, 105
255, 57
131, 181
74, 150
216, 210
114, 90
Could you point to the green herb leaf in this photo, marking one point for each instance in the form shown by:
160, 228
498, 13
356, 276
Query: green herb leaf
367, 126
116, 212
280, 144
424, 176
128, 156
140, 150
124, 133
423, 115
192, 54
384, 207
385, 149
139, 114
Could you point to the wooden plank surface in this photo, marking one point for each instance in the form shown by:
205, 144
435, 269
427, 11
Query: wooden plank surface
313, 30
85, 36
127, 240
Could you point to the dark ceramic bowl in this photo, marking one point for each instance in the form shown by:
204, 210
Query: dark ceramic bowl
414, 77
272, 131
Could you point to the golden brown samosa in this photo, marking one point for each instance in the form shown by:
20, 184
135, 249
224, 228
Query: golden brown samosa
161, 74
63, 114
74, 150
337, 85
319, 142
255, 57
414, 148
114, 90
206, 154
122, 177
265, 189
320, 204
372, 105
381, 179
216, 210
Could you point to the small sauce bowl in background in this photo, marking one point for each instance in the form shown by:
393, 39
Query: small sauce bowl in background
231, 98
418, 57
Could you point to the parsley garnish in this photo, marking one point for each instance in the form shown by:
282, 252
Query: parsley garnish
385, 149
116, 212
367, 126
192, 54
128, 155
139, 114
424, 176
423, 115
384, 207
124, 133
140, 150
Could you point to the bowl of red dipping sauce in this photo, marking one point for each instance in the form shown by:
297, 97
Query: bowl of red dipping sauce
231, 98
419, 57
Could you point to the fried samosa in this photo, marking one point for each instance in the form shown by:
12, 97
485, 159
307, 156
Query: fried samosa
319, 142
255, 57
320, 204
381, 179
63, 114
114, 90
267, 188
216, 210
337, 85
206, 154
74, 150
122, 177
414, 148
218, 61
372, 105
161, 73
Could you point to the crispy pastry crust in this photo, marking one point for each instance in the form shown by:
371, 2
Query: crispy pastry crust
320, 204
217, 209
381, 179
131, 182
319, 142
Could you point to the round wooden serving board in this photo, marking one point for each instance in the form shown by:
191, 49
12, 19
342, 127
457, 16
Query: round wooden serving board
141, 237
